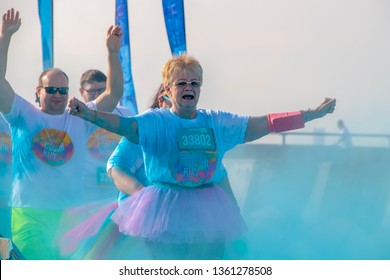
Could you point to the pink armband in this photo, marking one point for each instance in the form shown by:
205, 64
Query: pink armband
280, 122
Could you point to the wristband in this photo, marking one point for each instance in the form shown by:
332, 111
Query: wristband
279, 122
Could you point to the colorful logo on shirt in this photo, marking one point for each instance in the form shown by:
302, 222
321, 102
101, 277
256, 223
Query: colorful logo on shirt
52, 146
197, 158
102, 143
5, 148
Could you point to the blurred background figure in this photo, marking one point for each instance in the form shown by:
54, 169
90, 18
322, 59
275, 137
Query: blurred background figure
345, 138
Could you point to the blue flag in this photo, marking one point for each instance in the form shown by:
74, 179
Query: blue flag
121, 18
175, 25
45, 8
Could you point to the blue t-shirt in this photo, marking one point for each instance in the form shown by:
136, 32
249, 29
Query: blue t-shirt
129, 157
188, 152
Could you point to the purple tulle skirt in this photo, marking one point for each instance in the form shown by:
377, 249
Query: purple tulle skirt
180, 215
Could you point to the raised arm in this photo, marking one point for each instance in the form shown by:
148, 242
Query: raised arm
263, 125
124, 126
10, 24
108, 100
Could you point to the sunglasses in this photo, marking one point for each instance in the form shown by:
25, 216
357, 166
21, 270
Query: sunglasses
94, 91
53, 90
182, 84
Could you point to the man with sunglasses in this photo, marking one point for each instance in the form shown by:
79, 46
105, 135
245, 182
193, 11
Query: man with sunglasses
48, 147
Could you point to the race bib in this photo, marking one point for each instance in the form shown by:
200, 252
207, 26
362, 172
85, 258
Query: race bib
197, 158
200, 138
102, 177
52, 146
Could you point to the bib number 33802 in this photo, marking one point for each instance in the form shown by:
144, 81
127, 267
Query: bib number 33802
198, 138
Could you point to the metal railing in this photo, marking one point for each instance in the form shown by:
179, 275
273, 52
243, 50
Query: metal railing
355, 136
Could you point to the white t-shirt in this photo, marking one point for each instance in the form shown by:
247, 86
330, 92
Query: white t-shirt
101, 143
48, 157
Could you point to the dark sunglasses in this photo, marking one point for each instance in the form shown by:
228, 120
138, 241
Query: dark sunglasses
194, 84
53, 90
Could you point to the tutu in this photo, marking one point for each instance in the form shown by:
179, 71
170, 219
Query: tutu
180, 215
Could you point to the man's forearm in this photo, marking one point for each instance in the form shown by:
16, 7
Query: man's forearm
7, 94
115, 76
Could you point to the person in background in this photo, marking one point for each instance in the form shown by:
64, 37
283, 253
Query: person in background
183, 214
101, 143
48, 146
345, 140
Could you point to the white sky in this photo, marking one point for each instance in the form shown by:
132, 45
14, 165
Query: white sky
258, 56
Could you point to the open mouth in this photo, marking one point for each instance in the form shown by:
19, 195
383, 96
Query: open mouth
188, 96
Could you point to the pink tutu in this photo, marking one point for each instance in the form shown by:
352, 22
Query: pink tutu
180, 215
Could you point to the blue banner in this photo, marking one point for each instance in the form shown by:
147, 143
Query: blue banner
175, 25
45, 8
121, 18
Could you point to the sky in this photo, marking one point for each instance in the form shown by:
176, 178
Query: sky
258, 56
